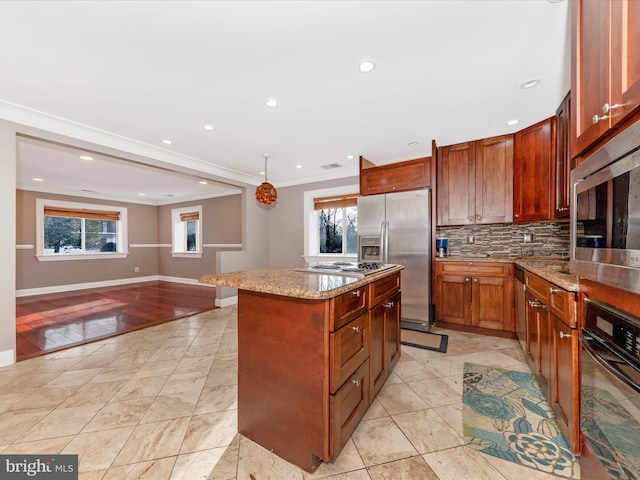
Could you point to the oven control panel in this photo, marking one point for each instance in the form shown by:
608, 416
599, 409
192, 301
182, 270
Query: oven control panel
619, 329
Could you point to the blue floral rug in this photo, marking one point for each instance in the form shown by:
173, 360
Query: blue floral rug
505, 415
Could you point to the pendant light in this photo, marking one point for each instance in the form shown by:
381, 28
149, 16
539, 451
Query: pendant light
266, 193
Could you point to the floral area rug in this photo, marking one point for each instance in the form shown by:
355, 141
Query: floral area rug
505, 415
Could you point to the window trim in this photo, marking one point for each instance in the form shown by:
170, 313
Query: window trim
311, 244
176, 219
122, 236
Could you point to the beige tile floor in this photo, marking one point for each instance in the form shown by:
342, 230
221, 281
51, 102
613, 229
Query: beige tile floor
160, 404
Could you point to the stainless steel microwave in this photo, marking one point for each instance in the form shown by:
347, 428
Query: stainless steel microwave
605, 213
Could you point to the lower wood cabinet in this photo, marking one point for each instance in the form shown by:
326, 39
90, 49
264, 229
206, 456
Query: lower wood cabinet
309, 369
475, 294
552, 350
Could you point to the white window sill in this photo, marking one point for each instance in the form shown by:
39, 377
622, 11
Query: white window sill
56, 257
186, 255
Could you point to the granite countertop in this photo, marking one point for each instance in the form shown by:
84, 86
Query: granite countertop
287, 282
552, 269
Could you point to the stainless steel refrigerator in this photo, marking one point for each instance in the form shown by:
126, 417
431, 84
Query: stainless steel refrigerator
402, 222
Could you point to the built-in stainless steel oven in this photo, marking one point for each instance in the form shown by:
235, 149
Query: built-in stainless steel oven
610, 393
605, 213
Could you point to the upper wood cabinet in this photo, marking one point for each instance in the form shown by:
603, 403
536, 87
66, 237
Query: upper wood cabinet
394, 177
561, 193
474, 182
534, 149
605, 68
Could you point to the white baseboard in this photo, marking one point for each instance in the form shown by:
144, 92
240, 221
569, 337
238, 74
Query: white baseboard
7, 357
225, 302
188, 281
107, 283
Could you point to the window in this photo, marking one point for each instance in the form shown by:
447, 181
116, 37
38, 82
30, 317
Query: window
337, 223
187, 231
69, 231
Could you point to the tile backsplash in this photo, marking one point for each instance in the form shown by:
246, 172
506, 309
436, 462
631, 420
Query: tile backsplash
547, 239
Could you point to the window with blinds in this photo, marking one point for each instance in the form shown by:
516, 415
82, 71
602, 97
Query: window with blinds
186, 228
71, 230
337, 223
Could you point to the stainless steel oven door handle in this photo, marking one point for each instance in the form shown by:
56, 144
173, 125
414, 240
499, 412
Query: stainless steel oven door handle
595, 348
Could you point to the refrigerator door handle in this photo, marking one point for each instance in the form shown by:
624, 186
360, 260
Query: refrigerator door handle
385, 242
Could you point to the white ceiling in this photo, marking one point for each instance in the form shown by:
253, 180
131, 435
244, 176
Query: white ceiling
128, 74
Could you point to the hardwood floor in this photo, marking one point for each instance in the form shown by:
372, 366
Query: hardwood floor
46, 323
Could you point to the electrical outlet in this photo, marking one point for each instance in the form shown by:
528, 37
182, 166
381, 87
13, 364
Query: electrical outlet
471, 239
528, 238
136, 269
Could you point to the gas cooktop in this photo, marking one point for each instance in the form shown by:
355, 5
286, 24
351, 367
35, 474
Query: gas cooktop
355, 269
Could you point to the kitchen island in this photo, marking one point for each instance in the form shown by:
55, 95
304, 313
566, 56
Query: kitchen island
313, 351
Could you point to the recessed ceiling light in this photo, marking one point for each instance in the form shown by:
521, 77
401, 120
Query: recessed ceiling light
142, 194
367, 66
271, 102
412, 144
530, 83
36, 179
202, 182
349, 157
167, 142
513, 122
298, 166
208, 127
85, 157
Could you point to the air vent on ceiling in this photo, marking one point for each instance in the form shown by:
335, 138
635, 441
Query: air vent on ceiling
330, 166
88, 191
168, 195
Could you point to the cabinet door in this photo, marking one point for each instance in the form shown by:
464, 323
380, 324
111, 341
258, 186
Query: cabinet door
625, 58
564, 378
532, 339
377, 371
456, 184
531, 172
453, 299
546, 359
392, 331
494, 180
590, 72
561, 192
492, 303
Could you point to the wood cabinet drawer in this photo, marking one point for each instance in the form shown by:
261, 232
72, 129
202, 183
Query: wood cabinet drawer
348, 406
349, 305
383, 288
475, 268
348, 348
538, 287
562, 303
395, 177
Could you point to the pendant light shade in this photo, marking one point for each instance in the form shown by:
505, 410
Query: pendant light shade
266, 193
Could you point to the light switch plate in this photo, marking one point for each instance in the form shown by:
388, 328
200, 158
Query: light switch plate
528, 238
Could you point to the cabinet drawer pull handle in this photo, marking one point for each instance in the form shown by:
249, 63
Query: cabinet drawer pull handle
517, 215
537, 304
389, 305
475, 279
478, 217
356, 293
467, 279
471, 218
606, 108
565, 335
356, 328
597, 118
554, 290
356, 382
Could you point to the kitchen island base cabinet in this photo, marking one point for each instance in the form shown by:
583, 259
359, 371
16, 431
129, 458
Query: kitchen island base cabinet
307, 367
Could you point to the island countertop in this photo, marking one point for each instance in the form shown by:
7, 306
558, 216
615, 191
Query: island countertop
290, 283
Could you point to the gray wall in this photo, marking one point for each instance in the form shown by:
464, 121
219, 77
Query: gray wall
286, 221
8, 244
221, 224
147, 225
